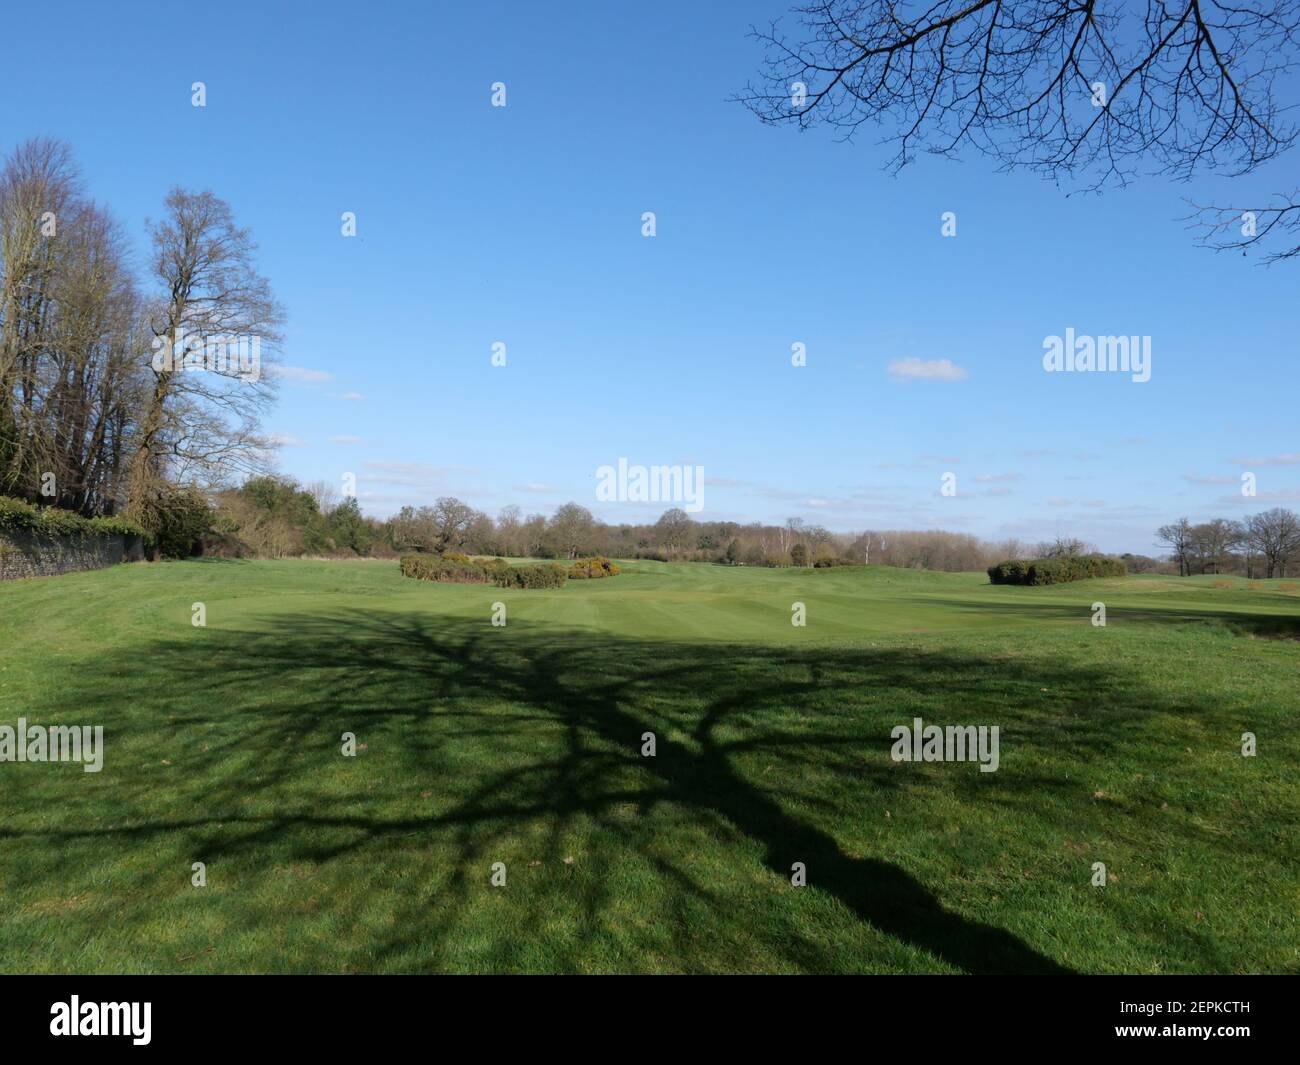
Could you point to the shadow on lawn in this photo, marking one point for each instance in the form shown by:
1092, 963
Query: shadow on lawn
433, 686
1276, 618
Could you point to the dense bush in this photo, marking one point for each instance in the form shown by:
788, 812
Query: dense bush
829, 563
455, 556
493, 566
495, 570
1012, 571
1060, 570
799, 555
590, 568
182, 517
431, 568
551, 575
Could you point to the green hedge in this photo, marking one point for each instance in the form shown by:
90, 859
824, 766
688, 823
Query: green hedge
430, 568
496, 571
552, 575
51, 521
1059, 570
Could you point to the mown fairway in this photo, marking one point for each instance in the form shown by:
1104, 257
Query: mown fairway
522, 745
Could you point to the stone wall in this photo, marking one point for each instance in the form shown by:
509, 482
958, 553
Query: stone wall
24, 553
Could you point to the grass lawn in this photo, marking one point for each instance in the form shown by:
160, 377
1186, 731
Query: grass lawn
522, 745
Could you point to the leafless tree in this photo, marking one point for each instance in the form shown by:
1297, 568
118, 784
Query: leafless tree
436, 529
70, 339
509, 530
203, 423
325, 494
570, 528
1275, 534
1062, 87
1212, 542
1177, 536
673, 529
1063, 546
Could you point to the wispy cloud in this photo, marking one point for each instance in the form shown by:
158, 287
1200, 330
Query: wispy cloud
1288, 458
1281, 495
409, 474
914, 369
352, 397
345, 439
300, 373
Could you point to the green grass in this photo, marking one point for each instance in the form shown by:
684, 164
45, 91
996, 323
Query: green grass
522, 745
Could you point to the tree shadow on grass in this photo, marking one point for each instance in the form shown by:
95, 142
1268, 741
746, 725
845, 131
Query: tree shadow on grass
430, 690
1280, 621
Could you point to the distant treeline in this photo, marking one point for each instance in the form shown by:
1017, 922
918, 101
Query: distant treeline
275, 517
1264, 545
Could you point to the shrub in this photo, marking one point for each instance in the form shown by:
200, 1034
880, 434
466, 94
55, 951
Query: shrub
830, 562
552, 575
1012, 571
799, 555
51, 521
483, 571
493, 566
585, 568
183, 518
430, 568
455, 556
1059, 570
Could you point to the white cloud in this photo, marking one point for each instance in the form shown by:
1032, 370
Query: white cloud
1289, 458
299, 373
408, 474
534, 486
914, 369
345, 439
997, 478
284, 440
352, 397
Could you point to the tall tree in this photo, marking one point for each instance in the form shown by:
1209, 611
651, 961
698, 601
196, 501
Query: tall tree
1212, 542
571, 529
202, 422
1275, 534
1177, 536
70, 343
673, 530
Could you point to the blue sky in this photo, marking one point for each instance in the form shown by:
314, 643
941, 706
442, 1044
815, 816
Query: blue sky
522, 225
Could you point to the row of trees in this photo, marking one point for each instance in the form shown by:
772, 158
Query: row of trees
103, 407
1264, 544
274, 517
